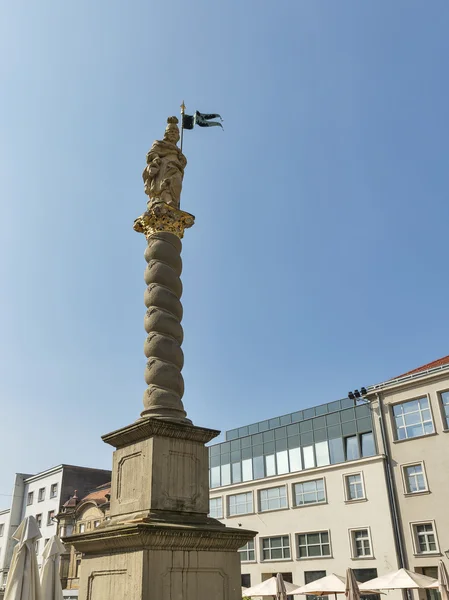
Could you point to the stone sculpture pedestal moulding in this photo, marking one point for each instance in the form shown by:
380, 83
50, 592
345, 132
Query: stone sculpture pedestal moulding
159, 543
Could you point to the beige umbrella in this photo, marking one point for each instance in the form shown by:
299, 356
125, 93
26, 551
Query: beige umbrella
281, 592
331, 584
443, 581
269, 588
351, 589
50, 579
399, 580
23, 580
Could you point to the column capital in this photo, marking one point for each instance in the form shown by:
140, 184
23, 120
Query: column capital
163, 217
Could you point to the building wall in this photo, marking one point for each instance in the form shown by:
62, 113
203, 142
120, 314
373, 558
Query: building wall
337, 515
432, 453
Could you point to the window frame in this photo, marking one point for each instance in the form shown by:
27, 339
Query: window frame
394, 427
415, 540
222, 511
39, 498
329, 543
348, 499
276, 487
270, 537
247, 550
407, 492
39, 521
353, 544
55, 493
295, 505
30, 498
444, 418
228, 505
50, 521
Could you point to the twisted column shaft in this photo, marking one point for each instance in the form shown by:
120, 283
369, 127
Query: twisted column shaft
162, 398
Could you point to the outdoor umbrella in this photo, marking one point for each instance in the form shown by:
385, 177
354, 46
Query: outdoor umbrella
50, 579
351, 589
269, 588
281, 592
443, 581
399, 580
23, 580
331, 584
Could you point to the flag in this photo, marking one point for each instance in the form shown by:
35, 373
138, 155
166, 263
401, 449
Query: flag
201, 119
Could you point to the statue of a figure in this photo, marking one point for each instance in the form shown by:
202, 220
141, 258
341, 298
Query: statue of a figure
165, 168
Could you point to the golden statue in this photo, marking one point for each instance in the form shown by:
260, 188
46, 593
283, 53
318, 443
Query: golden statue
164, 172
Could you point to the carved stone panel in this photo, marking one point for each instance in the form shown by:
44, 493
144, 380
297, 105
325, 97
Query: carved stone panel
129, 478
107, 584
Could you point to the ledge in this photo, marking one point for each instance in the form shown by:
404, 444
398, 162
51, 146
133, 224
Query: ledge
150, 427
416, 437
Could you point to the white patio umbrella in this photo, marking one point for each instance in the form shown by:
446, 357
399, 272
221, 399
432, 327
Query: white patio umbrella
50, 579
443, 581
331, 584
399, 580
269, 588
281, 592
351, 588
23, 580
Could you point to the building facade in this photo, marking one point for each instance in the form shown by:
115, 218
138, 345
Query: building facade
312, 483
411, 419
42, 496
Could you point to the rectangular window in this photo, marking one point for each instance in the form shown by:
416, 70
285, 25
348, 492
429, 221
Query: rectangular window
414, 478
273, 498
78, 567
41, 495
276, 548
309, 492
368, 446
247, 552
294, 456
309, 457
270, 465
30, 497
445, 403
361, 543
39, 520
247, 469
96, 524
216, 508
226, 474
309, 577
336, 451
2, 528
246, 580
82, 528
51, 514
352, 448
354, 487
282, 462
215, 480
322, 454
313, 544
413, 419
236, 472
258, 467
53, 490
240, 504
425, 538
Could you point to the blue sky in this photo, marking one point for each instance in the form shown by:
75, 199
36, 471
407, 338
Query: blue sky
318, 262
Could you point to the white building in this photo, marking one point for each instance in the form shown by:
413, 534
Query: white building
42, 496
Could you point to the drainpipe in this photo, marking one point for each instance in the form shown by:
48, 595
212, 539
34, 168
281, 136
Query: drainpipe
392, 496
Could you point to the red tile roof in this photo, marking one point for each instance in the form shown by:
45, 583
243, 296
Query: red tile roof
99, 495
432, 365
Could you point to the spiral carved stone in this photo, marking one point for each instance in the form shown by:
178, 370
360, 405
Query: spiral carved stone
162, 398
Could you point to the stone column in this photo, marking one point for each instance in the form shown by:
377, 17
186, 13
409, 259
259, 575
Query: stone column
159, 543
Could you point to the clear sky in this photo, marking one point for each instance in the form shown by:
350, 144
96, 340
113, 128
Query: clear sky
318, 262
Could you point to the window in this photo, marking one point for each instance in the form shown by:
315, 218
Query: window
425, 538
445, 403
78, 566
240, 504
273, 498
361, 543
215, 479
50, 516
2, 528
354, 487
96, 524
39, 520
322, 454
313, 544
363, 575
276, 548
414, 479
368, 446
309, 577
41, 495
309, 492
309, 457
216, 508
412, 419
30, 498
82, 528
247, 552
352, 448
53, 490
246, 580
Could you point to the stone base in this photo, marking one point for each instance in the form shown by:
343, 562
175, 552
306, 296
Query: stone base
149, 561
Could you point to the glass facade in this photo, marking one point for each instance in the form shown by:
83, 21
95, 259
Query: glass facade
327, 434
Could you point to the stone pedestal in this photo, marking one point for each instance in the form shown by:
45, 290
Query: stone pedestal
159, 543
